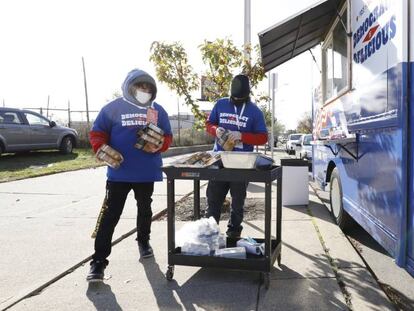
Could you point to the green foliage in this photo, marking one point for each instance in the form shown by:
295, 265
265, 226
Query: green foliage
172, 68
254, 70
223, 60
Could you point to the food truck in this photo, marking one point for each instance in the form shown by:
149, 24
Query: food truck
363, 116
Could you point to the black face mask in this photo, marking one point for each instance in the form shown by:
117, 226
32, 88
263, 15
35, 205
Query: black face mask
239, 101
240, 89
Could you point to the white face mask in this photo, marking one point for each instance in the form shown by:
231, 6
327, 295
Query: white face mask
142, 97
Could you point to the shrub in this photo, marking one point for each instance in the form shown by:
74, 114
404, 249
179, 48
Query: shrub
190, 137
83, 133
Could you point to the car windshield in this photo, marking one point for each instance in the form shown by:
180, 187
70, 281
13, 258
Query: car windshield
307, 139
295, 137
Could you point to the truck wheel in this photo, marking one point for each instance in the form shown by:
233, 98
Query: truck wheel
341, 217
66, 146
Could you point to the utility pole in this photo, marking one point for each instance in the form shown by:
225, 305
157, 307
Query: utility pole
86, 92
269, 90
4, 103
47, 107
178, 121
247, 29
274, 87
69, 113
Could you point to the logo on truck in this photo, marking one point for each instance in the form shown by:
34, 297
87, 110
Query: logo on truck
373, 35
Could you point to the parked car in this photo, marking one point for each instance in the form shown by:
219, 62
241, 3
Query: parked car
25, 130
304, 147
293, 139
282, 139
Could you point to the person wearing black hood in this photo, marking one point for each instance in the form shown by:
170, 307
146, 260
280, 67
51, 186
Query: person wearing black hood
244, 125
114, 132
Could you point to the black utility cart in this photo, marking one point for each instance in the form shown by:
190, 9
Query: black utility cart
252, 263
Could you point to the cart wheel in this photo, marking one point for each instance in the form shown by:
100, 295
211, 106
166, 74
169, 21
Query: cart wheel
170, 273
265, 279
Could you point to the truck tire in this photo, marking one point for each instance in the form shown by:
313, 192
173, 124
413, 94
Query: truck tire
66, 146
341, 217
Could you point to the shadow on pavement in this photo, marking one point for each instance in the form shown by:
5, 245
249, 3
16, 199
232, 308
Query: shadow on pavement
163, 294
291, 291
320, 265
102, 297
207, 289
359, 235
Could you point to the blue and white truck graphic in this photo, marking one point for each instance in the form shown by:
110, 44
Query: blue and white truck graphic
363, 111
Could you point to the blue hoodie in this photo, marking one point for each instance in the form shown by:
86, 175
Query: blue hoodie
121, 119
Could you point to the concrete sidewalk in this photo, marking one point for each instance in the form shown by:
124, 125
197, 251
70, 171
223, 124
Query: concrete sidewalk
320, 271
46, 224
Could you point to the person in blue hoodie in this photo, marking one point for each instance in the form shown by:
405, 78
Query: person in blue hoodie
246, 127
115, 129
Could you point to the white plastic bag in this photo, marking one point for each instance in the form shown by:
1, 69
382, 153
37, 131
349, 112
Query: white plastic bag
199, 237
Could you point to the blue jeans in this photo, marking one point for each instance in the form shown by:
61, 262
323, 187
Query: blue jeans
216, 194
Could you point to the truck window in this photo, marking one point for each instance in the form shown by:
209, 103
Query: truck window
335, 60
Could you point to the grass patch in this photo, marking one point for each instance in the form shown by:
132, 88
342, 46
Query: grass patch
32, 164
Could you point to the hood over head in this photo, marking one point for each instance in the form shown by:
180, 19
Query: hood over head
136, 76
240, 89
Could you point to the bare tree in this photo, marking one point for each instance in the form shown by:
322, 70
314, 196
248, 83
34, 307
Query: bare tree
305, 124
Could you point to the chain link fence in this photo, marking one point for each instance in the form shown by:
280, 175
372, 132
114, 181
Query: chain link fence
182, 126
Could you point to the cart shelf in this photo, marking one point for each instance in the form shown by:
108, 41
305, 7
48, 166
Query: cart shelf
261, 264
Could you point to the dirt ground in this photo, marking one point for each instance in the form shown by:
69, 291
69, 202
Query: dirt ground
253, 209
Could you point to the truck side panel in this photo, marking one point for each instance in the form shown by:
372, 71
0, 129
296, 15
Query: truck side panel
410, 223
374, 168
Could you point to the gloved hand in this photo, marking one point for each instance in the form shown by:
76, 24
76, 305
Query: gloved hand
150, 138
219, 132
235, 136
109, 155
152, 148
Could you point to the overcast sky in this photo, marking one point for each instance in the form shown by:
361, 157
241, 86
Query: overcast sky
42, 43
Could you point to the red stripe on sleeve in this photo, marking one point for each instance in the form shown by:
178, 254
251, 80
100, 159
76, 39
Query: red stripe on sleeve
167, 142
97, 139
211, 128
254, 139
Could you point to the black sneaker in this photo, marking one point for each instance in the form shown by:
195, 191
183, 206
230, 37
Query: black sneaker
96, 273
145, 249
233, 234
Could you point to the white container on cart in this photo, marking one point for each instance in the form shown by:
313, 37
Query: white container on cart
295, 190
